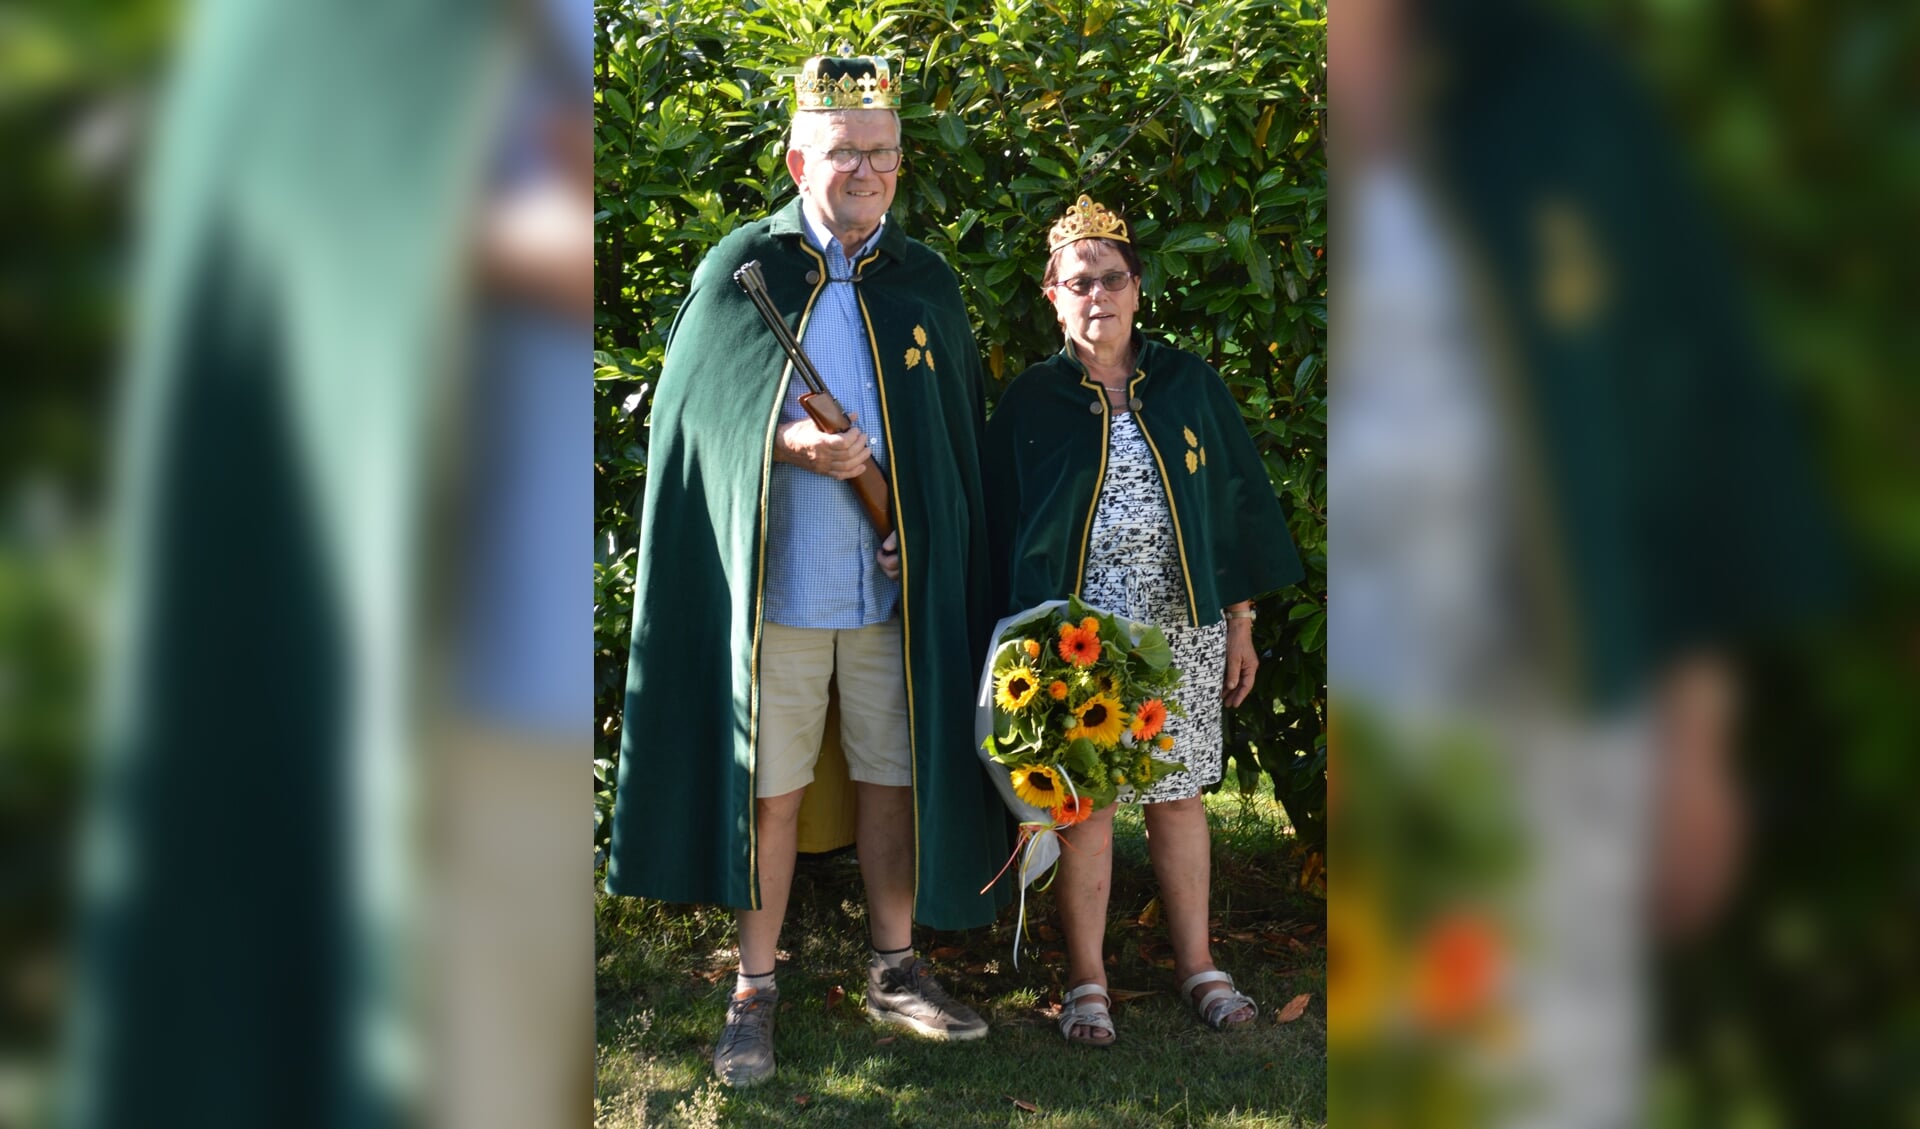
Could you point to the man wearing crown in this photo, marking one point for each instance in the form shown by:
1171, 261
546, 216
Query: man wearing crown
761, 581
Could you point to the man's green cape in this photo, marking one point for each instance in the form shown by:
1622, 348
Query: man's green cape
1046, 459
683, 823
1668, 495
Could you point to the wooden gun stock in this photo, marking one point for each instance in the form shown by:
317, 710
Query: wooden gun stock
870, 485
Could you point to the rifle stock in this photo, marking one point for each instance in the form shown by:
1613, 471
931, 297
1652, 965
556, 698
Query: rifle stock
870, 485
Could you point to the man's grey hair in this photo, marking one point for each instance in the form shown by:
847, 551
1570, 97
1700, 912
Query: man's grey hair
809, 125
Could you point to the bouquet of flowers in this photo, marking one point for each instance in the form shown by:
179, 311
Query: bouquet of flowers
1073, 705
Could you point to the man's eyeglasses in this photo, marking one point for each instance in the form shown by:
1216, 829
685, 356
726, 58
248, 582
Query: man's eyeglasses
1112, 282
847, 160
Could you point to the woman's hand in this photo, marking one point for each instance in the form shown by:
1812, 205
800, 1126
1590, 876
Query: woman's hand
1242, 661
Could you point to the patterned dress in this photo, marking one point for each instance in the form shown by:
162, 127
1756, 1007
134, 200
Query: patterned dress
1133, 569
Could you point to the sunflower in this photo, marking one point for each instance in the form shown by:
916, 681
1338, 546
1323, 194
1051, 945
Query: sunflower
1039, 785
1072, 810
1016, 688
1078, 645
1100, 721
1148, 719
1057, 690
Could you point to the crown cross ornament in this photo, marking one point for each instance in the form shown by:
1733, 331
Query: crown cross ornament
1086, 220
845, 81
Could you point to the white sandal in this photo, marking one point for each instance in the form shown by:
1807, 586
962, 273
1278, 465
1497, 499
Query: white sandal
1217, 1005
1078, 1011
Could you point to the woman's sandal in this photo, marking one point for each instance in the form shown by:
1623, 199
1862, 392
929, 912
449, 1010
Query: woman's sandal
1217, 1005
1076, 1010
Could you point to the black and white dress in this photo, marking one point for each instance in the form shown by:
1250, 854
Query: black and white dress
1133, 569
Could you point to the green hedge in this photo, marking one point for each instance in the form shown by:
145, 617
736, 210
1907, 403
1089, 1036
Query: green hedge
1203, 123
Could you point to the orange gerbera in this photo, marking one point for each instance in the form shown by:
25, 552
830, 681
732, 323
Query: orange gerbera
1148, 719
1456, 968
1078, 645
1072, 810
1057, 689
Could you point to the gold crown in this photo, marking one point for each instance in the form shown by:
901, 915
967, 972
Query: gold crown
846, 82
1086, 220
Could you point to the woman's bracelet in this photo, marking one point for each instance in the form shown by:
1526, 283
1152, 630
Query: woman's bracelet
1244, 614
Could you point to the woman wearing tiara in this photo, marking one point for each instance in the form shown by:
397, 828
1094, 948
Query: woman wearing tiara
1119, 470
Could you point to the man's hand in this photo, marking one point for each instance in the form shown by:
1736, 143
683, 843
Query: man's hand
804, 445
889, 556
1242, 661
1699, 817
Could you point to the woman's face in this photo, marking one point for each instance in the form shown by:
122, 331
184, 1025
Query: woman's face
1098, 320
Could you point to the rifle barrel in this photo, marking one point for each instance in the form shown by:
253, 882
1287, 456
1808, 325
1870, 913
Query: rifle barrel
750, 279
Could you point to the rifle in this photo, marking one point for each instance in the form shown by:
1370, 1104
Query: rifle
870, 485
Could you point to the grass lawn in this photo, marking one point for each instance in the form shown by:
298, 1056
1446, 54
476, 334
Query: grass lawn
664, 971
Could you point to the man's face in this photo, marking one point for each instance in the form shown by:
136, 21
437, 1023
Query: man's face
850, 203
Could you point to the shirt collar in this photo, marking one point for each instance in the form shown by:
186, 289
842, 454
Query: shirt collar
821, 238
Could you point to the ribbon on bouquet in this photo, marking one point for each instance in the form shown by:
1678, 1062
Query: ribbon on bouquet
1031, 834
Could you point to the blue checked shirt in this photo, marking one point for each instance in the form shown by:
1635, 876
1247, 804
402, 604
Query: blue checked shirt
821, 570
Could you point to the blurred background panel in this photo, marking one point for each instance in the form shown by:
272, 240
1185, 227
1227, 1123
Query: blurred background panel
295, 609
1623, 618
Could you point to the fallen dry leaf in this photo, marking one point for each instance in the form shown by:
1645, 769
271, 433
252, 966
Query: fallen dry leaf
1018, 1104
802, 1099
1122, 995
1296, 1007
884, 1040
834, 995
1151, 915
947, 952
1047, 933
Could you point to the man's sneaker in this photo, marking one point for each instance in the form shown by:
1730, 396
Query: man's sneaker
910, 997
744, 1054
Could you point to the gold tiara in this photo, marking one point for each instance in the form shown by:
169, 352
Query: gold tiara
1086, 220
846, 82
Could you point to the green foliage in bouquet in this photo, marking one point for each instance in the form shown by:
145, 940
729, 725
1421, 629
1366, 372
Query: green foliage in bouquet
1080, 705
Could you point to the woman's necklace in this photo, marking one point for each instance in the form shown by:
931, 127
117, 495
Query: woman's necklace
1117, 393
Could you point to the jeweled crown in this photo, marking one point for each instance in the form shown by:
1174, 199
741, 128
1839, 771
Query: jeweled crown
1086, 220
846, 81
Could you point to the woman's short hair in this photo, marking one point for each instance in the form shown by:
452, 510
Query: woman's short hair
1127, 255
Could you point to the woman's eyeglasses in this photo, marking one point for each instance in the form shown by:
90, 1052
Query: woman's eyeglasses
1112, 282
847, 160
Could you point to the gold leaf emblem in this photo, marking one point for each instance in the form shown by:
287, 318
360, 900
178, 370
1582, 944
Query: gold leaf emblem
1191, 441
1203, 456
929, 358
913, 357
1574, 280
1193, 464
919, 335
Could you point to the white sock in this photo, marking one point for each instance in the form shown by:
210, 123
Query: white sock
893, 959
744, 984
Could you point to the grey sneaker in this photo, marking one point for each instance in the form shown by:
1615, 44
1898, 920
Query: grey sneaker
910, 997
744, 1054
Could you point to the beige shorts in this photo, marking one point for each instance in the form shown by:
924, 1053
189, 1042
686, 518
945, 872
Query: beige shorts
796, 663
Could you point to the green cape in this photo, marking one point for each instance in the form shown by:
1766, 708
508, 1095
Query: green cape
683, 827
1670, 505
1046, 459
